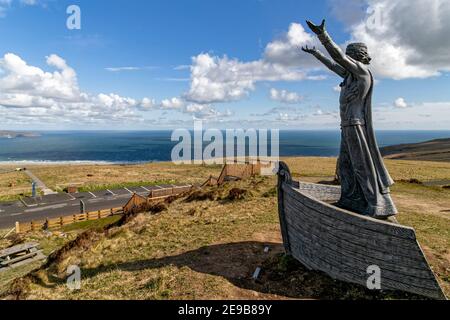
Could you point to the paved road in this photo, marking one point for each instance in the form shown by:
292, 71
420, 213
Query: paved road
39, 183
53, 206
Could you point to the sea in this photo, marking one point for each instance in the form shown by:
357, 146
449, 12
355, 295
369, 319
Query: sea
124, 147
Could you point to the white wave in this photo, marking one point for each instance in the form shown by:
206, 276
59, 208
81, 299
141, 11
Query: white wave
21, 163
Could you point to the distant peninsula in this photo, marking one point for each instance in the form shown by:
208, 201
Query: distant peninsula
435, 150
17, 134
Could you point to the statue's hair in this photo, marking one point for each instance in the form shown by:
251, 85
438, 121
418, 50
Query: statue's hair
359, 52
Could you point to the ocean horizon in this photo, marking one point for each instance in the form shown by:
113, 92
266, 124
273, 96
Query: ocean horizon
125, 147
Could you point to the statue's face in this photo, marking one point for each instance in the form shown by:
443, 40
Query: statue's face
358, 52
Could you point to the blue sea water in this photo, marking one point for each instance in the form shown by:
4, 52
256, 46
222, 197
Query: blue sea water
147, 146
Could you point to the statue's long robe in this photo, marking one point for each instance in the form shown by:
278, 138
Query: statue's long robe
364, 178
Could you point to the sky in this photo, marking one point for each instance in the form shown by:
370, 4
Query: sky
161, 64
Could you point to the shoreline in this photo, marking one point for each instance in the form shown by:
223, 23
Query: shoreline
20, 163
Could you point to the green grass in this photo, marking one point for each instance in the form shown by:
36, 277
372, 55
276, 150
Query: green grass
15, 197
95, 224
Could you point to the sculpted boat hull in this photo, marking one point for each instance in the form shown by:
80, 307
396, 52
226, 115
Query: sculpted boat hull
344, 244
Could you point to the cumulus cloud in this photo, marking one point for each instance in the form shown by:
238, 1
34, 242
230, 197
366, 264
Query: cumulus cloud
221, 79
173, 103
32, 94
215, 79
400, 103
286, 50
285, 96
205, 112
287, 117
405, 42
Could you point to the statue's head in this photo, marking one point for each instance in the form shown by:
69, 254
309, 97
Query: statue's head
359, 52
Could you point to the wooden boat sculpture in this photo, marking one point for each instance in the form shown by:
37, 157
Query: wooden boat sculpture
344, 244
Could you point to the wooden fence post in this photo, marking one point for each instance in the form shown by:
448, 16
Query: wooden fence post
17, 227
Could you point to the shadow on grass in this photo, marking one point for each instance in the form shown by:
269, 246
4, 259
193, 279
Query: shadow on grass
282, 276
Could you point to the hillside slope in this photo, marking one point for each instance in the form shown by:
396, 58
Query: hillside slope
435, 150
208, 244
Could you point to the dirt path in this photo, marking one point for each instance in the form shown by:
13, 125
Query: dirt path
39, 183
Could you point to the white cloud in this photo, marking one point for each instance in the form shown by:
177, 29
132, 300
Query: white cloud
121, 69
400, 103
147, 104
215, 79
287, 50
287, 117
182, 67
118, 69
28, 93
285, 96
205, 112
7, 4
23, 78
410, 38
418, 116
221, 79
174, 103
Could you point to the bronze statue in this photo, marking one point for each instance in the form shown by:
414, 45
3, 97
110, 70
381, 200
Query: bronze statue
365, 180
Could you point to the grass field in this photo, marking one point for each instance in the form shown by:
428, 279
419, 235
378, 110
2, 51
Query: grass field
13, 184
208, 247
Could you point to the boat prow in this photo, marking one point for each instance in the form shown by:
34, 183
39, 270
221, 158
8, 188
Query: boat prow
346, 245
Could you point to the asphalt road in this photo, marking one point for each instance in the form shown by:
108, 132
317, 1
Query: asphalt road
53, 206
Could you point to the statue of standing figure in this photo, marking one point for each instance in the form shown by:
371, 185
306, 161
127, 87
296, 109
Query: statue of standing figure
365, 180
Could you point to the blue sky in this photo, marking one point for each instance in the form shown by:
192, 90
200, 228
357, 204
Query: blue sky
160, 64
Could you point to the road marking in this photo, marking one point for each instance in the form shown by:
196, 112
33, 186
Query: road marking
56, 206
73, 198
111, 192
145, 189
129, 190
16, 214
92, 194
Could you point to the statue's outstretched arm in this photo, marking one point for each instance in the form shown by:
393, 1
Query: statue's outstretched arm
334, 50
333, 66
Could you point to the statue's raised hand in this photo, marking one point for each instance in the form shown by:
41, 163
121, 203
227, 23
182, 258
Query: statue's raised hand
316, 29
307, 49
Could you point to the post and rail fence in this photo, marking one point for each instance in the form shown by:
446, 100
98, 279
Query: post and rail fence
56, 223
